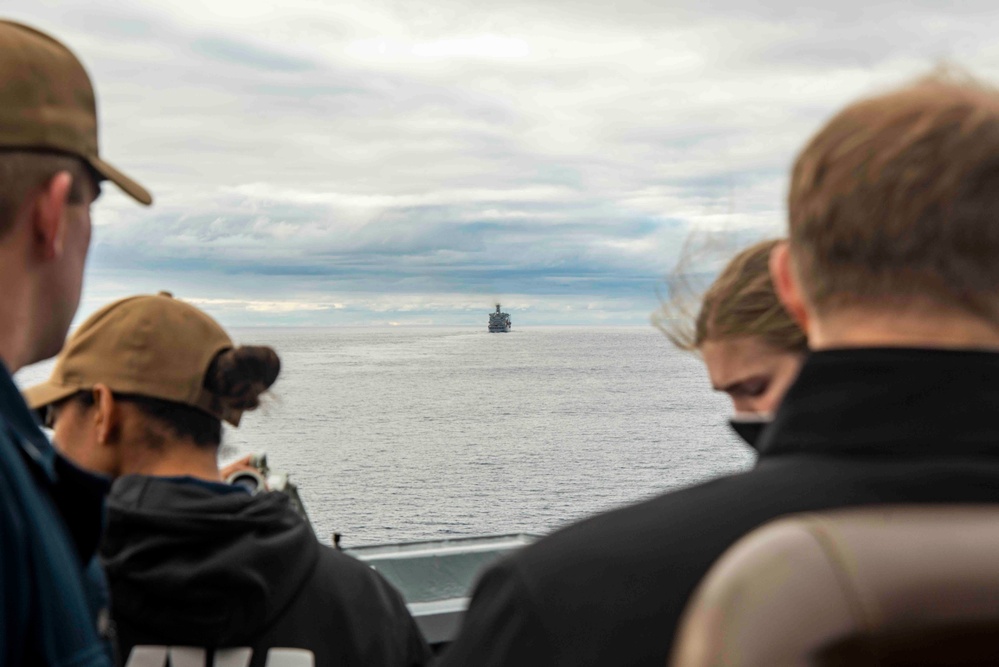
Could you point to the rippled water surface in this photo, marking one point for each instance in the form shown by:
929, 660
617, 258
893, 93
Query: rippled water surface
412, 433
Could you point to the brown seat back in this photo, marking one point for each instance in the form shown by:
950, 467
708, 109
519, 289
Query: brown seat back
890, 585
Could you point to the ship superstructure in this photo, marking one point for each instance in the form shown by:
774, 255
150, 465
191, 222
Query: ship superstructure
499, 322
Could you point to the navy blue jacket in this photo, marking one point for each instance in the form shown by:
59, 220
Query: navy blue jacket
51, 516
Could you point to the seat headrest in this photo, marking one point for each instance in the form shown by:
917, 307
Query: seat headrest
886, 585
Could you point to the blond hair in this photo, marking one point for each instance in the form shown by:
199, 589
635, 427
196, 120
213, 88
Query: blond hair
740, 302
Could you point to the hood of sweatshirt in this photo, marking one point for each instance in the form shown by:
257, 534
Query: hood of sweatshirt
191, 564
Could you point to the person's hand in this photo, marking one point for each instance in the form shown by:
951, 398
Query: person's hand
237, 466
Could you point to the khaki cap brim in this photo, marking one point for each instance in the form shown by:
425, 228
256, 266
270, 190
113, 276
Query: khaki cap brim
47, 393
131, 188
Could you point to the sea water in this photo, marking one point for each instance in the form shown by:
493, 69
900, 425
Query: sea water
409, 433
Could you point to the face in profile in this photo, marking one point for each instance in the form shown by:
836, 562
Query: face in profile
78, 245
74, 432
753, 373
66, 284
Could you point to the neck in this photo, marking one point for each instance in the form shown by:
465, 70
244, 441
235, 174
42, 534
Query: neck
15, 312
902, 327
177, 458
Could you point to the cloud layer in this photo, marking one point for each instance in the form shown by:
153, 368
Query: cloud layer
316, 163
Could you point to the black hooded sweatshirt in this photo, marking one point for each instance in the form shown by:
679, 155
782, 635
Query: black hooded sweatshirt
199, 564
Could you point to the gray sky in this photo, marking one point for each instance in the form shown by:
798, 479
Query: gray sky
414, 162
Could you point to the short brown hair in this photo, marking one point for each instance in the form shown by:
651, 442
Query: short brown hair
896, 199
740, 302
22, 171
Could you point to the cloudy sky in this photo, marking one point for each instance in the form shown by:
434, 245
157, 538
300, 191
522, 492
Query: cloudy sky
403, 161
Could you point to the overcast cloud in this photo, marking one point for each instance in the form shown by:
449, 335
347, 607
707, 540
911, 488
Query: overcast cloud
413, 162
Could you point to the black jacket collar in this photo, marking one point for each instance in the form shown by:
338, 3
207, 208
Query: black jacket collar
889, 402
750, 429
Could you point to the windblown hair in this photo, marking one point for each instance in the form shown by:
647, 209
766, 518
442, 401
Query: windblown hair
21, 171
740, 302
894, 201
238, 376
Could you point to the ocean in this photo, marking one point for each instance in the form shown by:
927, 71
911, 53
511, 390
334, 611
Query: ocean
409, 433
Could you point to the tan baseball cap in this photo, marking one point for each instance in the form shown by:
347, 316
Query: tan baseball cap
153, 346
48, 103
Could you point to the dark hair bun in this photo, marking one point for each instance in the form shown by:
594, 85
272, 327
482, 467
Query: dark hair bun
239, 376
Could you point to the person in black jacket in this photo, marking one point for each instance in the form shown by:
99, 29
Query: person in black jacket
891, 271
139, 393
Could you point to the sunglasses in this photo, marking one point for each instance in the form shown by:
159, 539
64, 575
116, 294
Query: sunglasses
49, 415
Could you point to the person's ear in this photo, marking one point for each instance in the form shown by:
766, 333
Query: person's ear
106, 415
787, 285
48, 219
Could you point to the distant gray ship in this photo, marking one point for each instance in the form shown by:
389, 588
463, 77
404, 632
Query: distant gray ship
499, 322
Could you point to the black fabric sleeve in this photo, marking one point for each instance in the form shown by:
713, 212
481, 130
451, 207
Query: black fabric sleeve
409, 638
378, 622
502, 625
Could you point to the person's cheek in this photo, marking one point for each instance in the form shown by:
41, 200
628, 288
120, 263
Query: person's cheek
741, 404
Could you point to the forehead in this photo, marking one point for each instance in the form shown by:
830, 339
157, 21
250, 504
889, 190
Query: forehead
731, 360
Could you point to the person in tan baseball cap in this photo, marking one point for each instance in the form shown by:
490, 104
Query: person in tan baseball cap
140, 393
150, 370
49, 103
50, 174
